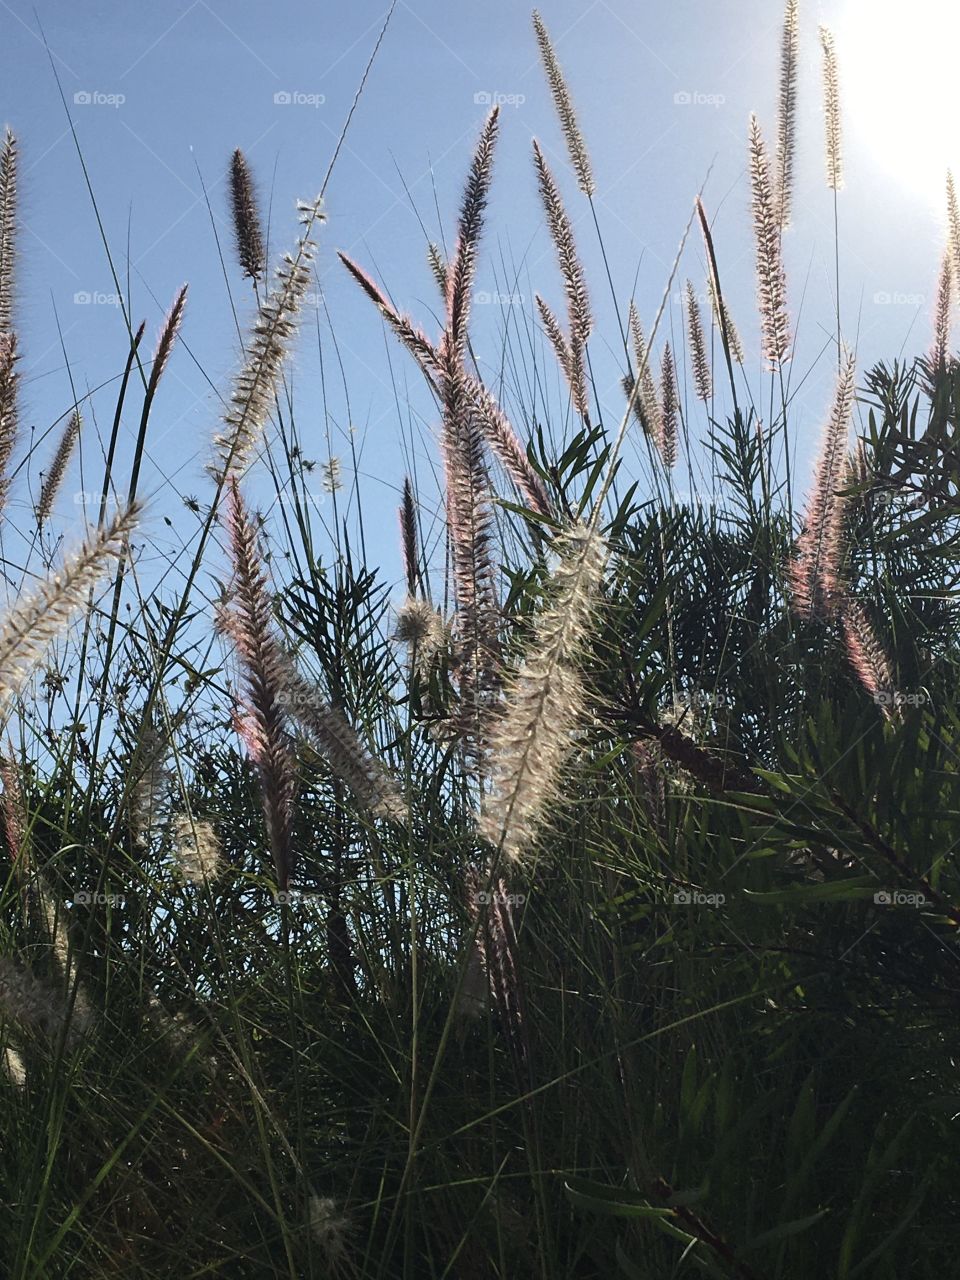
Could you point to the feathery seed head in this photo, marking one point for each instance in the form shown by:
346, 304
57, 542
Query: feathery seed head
814, 572
576, 146
702, 379
256, 384
787, 114
463, 266
771, 278
36, 620
168, 336
831, 110
8, 227
246, 218
196, 849
545, 701
54, 476
669, 408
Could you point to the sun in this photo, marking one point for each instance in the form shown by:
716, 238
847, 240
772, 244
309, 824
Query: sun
898, 69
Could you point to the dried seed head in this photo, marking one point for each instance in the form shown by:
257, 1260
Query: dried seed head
702, 380
196, 849
576, 146
771, 278
246, 218
831, 110
544, 702
55, 473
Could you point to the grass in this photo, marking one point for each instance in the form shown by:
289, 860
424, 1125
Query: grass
588, 910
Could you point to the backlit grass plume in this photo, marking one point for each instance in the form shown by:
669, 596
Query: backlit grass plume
724, 322
646, 402
867, 658
8, 228
463, 264
262, 726
505, 443
196, 849
408, 537
366, 776
256, 385
787, 114
576, 145
416, 342
544, 703
940, 350
580, 320
246, 218
438, 265
38, 618
831, 110
771, 279
669, 408
814, 571
8, 409
953, 226
58, 466
699, 360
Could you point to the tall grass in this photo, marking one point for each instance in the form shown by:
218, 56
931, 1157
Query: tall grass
585, 906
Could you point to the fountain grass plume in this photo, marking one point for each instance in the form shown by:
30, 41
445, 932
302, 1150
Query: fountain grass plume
31, 625
814, 572
246, 218
256, 384
771, 278
544, 702
576, 146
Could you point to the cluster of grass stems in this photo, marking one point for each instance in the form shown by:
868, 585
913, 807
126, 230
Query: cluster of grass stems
586, 907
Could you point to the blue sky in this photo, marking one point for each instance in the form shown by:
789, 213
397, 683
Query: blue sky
160, 95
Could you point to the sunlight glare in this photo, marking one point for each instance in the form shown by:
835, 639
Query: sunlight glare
898, 85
